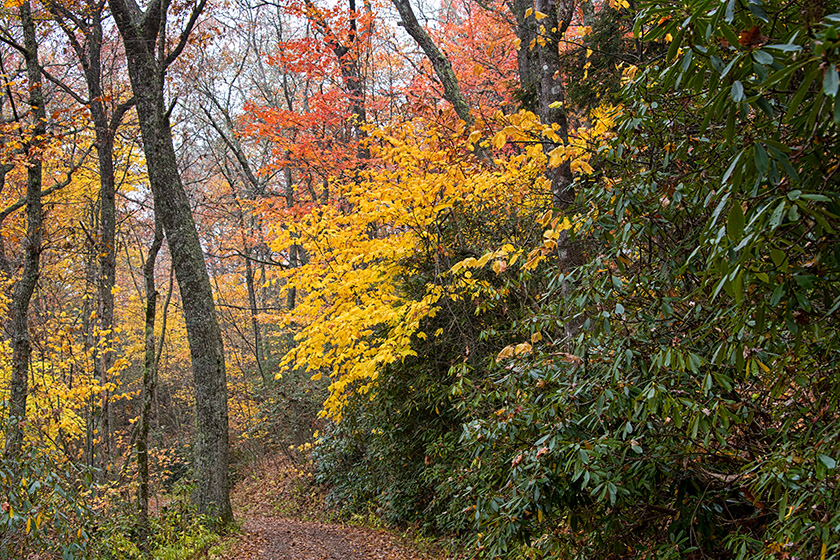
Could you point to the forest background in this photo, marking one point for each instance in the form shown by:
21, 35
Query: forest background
554, 278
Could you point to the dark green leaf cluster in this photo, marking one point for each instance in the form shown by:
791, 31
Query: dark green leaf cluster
701, 417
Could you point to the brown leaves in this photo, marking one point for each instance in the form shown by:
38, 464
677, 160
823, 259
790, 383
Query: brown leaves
275, 486
751, 38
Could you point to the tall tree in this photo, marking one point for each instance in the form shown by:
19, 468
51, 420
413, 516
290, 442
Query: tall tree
144, 36
83, 29
540, 28
347, 54
25, 287
150, 365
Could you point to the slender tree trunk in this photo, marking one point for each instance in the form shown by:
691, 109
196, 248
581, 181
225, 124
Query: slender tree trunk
94, 411
149, 380
31, 244
441, 64
254, 189
5, 168
147, 65
351, 72
294, 250
252, 303
89, 54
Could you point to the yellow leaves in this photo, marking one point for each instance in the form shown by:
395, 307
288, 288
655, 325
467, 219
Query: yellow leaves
539, 15
522, 348
582, 166
535, 257
511, 351
557, 156
529, 12
499, 140
507, 352
352, 319
628, 73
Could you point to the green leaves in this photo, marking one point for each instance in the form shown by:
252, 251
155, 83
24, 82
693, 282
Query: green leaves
830, 81
827, 461
735, 223
737, 91
763, 57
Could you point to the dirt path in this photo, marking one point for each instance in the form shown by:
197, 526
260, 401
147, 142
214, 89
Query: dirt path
269, 535
276, 538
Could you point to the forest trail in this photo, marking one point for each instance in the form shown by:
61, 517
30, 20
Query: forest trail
278, 538
277, 524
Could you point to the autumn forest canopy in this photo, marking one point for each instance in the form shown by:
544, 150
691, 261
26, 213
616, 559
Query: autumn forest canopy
545, 278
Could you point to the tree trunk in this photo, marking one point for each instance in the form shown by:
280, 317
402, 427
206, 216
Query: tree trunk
146, 66
351, 73
541, 76
89, 54
441, 64
252, 304
149, 381
31, 245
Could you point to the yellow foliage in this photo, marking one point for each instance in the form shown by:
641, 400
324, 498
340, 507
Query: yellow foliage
352, 318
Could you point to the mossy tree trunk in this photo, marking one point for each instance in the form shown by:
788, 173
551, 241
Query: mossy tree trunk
144, 36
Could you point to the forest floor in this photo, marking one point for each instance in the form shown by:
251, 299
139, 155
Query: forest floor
283, 517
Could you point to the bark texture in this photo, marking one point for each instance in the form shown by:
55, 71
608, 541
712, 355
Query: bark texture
143, 34
31, 245
541, 77
149, 382
441, 64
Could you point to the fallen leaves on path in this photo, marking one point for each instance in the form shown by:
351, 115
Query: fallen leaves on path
276, 538
267, 535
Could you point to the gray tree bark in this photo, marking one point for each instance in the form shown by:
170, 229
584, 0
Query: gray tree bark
441, 64
31, 245
150, 363
144, 36
540, 74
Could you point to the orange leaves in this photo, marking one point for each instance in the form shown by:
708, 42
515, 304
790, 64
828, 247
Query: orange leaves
751, 38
